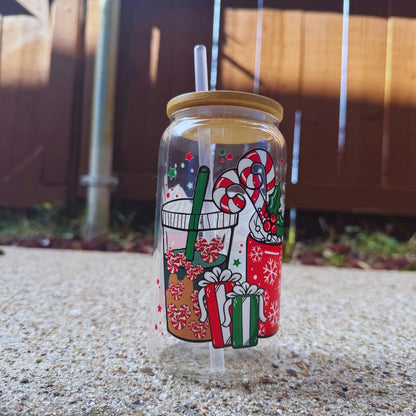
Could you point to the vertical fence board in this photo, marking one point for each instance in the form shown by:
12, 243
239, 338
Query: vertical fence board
57, 114
281, 66
238, 45
23, 75
156, 64
38, 8
320, 97
134, 90
361, 159
36, 102
401, 107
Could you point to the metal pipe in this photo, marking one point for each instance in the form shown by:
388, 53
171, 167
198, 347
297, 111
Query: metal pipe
99, 180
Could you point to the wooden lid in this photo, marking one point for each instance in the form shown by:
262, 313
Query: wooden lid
235, 98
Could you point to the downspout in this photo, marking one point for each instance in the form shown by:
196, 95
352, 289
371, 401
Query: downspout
99, 180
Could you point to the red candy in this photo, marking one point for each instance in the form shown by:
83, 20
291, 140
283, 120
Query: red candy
194, 300
217, 243
194, 296
199, 329
172, 309
191, 274
197, 309
188, 265
191, 271
176, 290
185, 310
181, 258
200, 243
169, 253
178, 317
209, 254
178, 320
173, 265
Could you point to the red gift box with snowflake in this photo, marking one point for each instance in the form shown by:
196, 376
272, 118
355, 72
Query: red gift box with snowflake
264, 268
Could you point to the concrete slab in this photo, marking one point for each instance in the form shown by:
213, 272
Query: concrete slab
73, 324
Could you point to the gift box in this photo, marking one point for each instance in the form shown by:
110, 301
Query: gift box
247, 308
214, 288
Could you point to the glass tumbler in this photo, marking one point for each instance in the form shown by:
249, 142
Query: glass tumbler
218, 230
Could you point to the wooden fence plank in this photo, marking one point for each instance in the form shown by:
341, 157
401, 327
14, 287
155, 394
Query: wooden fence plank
11, 60
23, 74
38, 8
400, 153
281, 66
360, 162
57, 126
353, 199
137, 99
152, 72
320, 85
238, 45
36, 103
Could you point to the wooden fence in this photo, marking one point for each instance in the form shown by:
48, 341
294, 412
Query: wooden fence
40, 55
45, 98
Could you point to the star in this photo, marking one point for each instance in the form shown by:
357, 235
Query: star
190, 185
159, 308
237, 262
189, 156
172, 173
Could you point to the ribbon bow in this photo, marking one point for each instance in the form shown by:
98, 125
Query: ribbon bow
215, 276
243, 289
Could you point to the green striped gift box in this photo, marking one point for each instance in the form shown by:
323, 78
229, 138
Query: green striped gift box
245, 321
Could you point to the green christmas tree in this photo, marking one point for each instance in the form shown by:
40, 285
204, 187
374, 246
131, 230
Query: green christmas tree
274, 208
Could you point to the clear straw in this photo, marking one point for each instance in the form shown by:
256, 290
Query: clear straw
201, 68
201, 84
205, 158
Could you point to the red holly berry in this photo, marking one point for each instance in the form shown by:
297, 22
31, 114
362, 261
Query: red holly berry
273, 218
273, 229
267, 225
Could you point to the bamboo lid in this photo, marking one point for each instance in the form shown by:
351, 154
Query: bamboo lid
235, 98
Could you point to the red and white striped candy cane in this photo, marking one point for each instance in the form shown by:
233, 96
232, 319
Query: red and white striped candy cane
225, 199
257, 175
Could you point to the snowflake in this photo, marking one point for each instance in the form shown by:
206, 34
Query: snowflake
266, 298
256, 254
271, 271
262, 329
274, 314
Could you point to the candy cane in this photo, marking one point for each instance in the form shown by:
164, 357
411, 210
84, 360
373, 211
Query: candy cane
225, 199
258, 184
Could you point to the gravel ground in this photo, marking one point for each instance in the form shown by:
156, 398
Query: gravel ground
73, 325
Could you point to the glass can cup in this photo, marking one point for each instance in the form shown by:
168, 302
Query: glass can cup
218, 230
